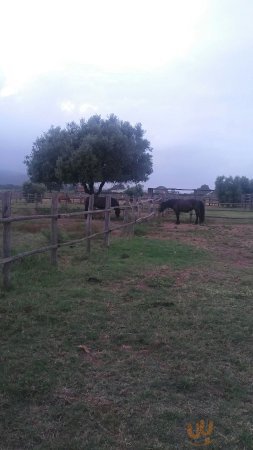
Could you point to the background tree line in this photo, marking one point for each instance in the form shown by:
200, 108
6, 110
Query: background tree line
230, 190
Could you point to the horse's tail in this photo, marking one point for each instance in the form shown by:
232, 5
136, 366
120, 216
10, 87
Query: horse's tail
201, 212
115, 204
86, 204
117, 212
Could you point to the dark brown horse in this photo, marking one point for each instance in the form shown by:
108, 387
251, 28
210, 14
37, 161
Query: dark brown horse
180, 205
64, 198
99, 203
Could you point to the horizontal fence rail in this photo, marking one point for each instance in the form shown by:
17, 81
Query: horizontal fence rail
131, 212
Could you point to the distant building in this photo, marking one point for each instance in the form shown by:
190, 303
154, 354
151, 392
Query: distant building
79, 188
160, 190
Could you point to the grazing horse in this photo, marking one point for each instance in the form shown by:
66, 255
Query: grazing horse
180, 205
99, 203
63, 197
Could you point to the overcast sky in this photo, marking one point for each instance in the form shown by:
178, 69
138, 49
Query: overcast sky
183, 68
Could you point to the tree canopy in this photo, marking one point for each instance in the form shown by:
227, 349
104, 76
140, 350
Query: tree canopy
42, 162
93, 151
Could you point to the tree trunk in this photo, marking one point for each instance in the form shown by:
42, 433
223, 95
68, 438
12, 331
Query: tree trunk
86, 188
100, 187
91, 187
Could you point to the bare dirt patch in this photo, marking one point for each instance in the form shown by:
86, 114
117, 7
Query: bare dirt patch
232, 243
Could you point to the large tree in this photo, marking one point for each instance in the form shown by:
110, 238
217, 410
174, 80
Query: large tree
93, 151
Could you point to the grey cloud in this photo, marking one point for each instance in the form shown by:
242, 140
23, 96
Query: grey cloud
197, 112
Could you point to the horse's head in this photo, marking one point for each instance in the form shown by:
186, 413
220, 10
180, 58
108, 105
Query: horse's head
161, 207
117, 212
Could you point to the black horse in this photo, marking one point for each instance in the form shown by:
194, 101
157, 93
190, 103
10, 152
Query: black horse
99, 203
180, 205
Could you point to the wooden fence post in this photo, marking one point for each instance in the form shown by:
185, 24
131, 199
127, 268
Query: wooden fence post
151, 206
89, 223
125, 219
107, 220
134, 216
138, 208
54, 228
150, 192
6, 212
36, 201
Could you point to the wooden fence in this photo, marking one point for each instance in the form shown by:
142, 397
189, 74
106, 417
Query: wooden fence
131, 216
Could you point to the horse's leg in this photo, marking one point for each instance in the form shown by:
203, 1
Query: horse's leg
177, 214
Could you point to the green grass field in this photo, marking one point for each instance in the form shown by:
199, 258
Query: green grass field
124, 349
230, 214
